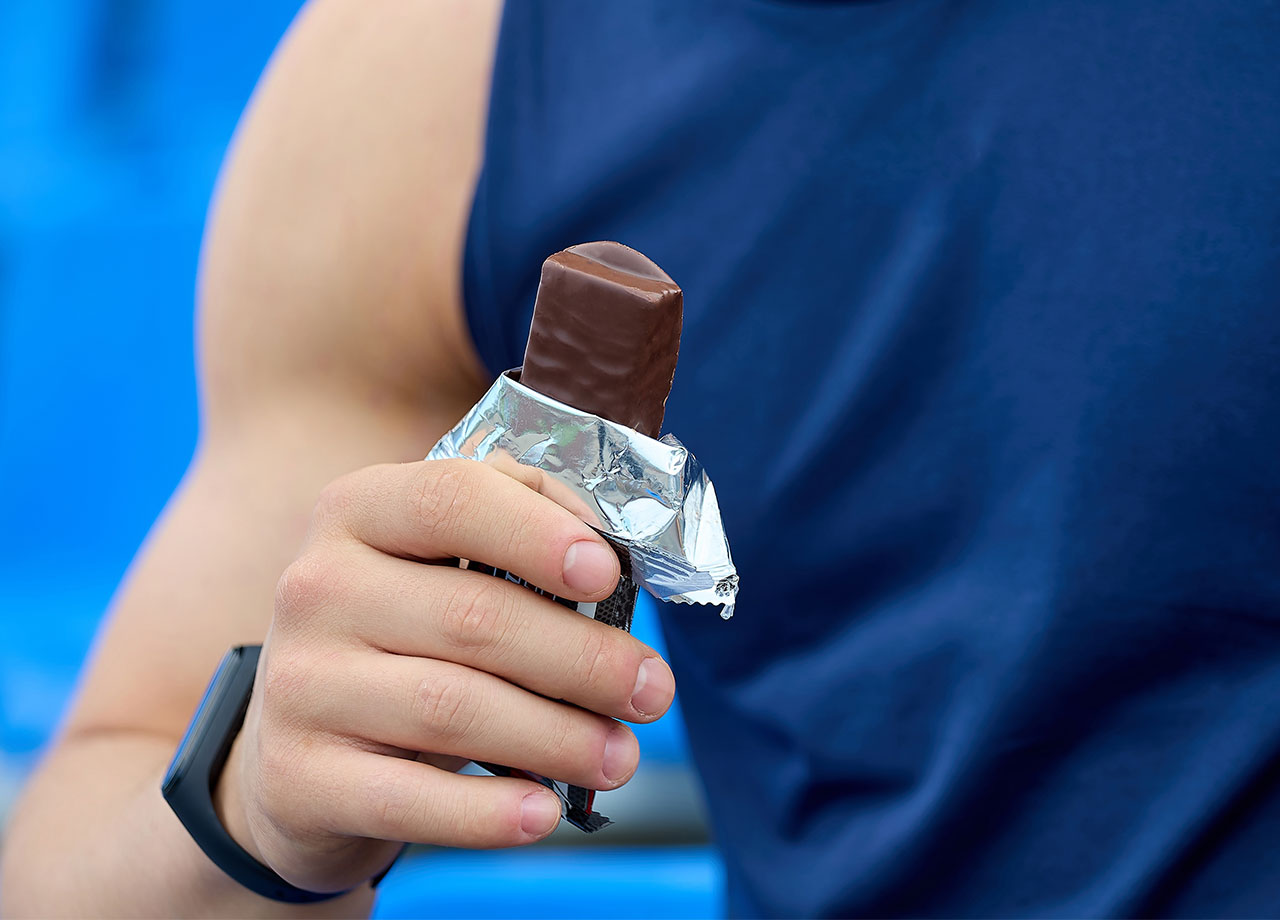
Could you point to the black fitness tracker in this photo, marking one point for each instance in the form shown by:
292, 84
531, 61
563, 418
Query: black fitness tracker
188, 784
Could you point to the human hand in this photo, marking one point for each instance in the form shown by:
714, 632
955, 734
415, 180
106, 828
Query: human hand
386, 669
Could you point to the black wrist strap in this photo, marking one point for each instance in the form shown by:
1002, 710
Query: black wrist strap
188, 784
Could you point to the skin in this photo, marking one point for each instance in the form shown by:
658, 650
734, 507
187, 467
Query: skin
333, 353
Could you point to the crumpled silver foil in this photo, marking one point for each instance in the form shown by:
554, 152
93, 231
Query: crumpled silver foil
651, 495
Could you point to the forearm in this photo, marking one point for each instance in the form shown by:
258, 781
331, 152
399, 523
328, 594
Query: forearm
331, 338
93, 837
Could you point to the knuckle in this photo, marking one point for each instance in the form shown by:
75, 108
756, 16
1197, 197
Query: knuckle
570, 744
403, 808
311, 583
474, 615
603, 665
470, 811
282, 771
528, 532
443, 707
335, 500
440, 493
525, 533
285, 680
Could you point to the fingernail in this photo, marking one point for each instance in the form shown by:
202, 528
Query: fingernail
539, 813
620, 750
655, 687
589, 567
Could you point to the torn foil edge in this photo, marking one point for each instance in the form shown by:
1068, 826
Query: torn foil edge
652, 495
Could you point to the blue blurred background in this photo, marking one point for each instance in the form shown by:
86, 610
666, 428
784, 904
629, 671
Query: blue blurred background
114, 115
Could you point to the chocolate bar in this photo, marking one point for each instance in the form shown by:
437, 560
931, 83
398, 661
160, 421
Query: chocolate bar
605, 334
604, 339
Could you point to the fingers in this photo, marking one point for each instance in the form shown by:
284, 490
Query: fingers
420, 705
494, 625
461, 509
392, 799
540, 482
374, 657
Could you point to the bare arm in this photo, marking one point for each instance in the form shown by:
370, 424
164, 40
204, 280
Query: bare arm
330, 338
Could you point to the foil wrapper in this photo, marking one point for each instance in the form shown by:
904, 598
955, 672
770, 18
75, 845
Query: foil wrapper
651, 496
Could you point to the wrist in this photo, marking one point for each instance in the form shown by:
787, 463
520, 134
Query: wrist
229, 800
192, 784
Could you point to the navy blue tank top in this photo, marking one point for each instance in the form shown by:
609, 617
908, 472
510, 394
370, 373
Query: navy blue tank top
982, 349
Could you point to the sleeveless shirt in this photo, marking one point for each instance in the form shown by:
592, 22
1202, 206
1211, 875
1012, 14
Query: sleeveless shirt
982, 350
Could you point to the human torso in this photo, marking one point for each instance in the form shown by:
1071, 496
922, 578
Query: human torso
982, 349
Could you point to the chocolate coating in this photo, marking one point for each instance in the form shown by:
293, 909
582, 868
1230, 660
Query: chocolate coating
606, 334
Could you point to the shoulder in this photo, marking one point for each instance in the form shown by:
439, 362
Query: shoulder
334, 248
